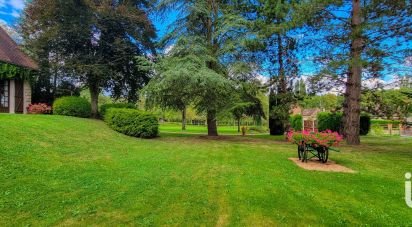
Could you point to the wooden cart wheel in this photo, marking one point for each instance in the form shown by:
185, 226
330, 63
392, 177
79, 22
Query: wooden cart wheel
305, 154
319, 151
301, 150
326, 156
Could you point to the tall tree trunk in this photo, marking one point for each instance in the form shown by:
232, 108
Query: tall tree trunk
276, 125
184, 119
94, 98
282, 80
351, 116
238, 125
211, 123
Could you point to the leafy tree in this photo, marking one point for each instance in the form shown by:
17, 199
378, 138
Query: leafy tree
387, 103
300, 88
277, 23
327, 102
207, 42
248, 102
94, 41
173, 87
357, 38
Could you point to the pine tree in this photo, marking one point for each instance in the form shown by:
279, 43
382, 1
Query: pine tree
357, 39
210, 36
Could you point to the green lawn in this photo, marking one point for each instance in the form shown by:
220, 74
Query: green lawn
202, 129
68, 171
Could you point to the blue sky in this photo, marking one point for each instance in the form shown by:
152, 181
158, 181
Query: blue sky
10, 11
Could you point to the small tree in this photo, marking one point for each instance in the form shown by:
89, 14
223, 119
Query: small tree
172, 87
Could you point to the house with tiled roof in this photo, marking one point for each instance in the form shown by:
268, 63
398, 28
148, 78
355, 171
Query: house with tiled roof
15, 70
309, 118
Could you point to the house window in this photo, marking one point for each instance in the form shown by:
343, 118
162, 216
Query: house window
4, 94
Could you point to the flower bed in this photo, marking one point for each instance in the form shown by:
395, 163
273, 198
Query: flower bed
314, 144
315, 139
39, 108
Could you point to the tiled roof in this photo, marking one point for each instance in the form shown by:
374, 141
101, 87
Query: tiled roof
11, 53
310, 112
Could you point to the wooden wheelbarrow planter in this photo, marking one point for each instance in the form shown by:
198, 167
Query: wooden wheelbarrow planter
308, 151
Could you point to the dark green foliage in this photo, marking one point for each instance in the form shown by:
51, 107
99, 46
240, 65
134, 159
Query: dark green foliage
105, 107
132, 122
103, 44
365, 124
9, 71
72, 106
332, 121
296, 122
279, 106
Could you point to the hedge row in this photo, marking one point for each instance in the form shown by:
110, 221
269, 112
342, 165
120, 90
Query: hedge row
105, 107
72, 106
132, 122
384, 122
333, 121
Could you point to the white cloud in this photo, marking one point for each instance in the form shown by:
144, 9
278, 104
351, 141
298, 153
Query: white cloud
15, 14
17, 4
2, 3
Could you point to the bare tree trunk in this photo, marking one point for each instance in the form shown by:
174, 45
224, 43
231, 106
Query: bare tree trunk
94, 98
238, 125
282, 80
351, 116
211, 123
184, 119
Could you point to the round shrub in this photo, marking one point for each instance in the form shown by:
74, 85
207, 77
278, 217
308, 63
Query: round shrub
72, 106
296, 122
365, 124
331, 121
132, 122
105, 107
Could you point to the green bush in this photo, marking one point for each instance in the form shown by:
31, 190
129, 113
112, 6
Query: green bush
377, 130
365, 124
105, 107
72, 106
332, 121
296, 122
258, 129
132, 122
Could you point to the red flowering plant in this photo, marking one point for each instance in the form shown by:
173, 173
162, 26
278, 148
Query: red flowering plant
39, 108
315, 139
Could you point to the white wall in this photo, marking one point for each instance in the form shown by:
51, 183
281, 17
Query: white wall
26, 95
12, 92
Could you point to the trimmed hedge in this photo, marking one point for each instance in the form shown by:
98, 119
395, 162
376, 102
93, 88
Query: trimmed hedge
384, 122
365, 124
296, 122
332, 121
105, 107
132, 122
72, 106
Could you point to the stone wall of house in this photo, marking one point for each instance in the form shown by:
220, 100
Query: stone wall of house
27, 95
